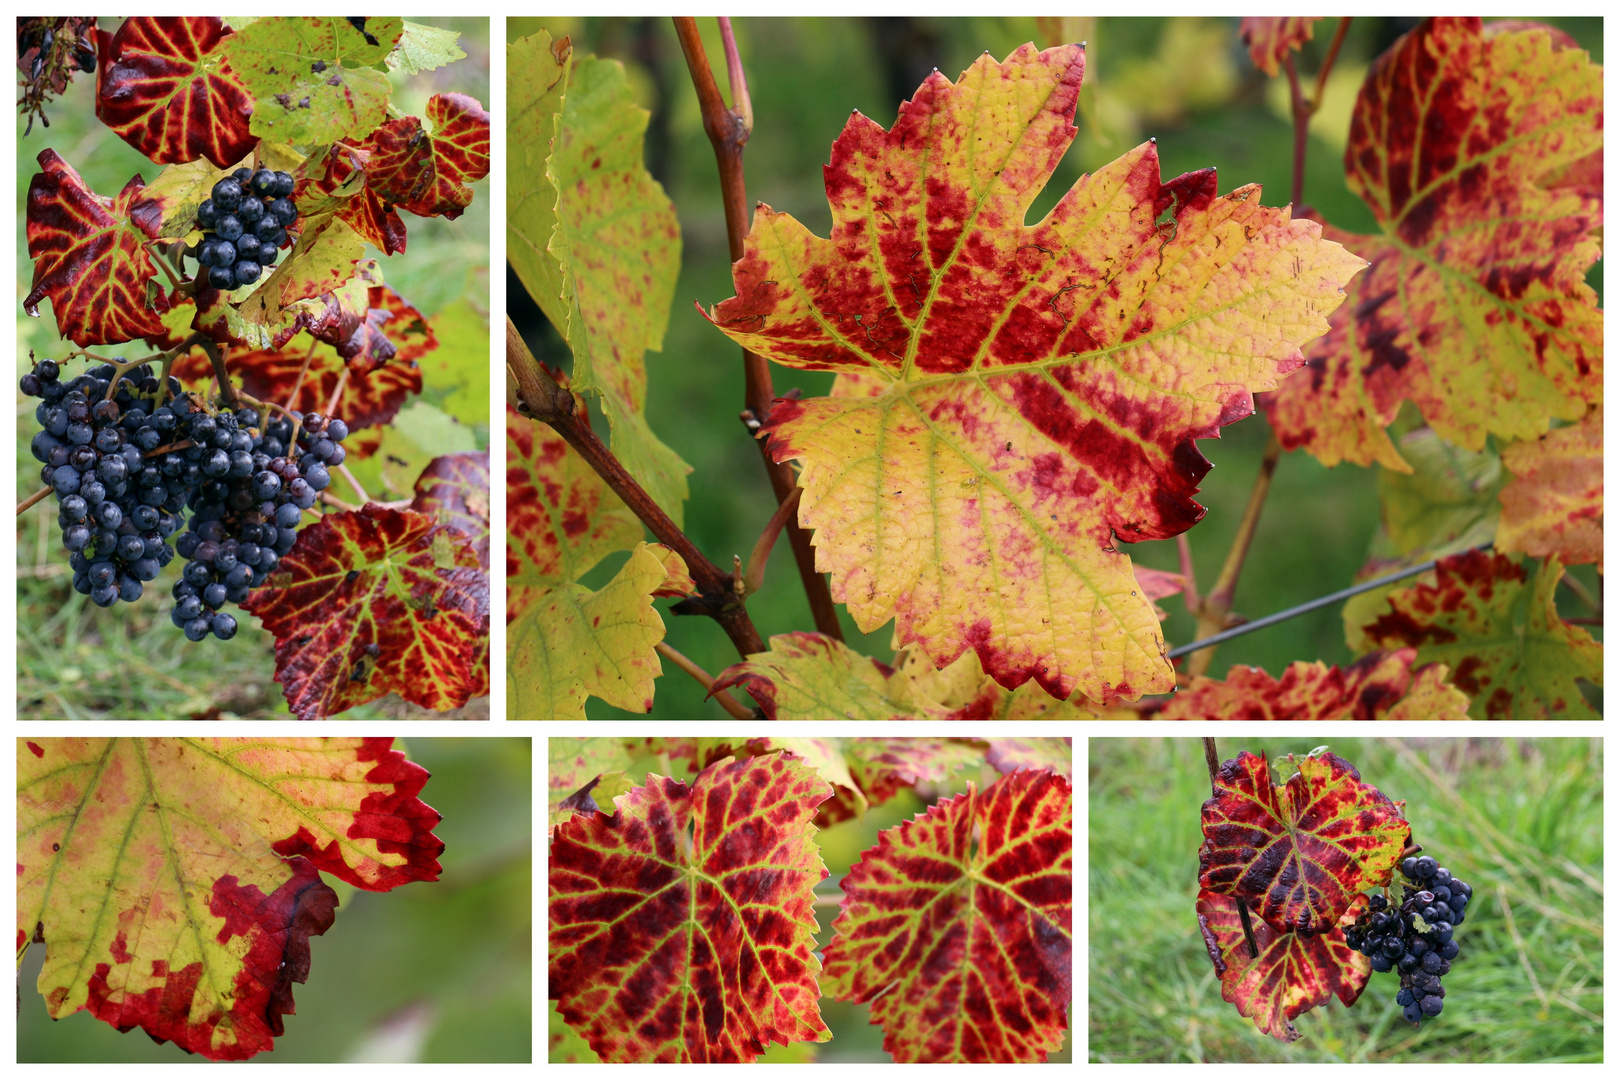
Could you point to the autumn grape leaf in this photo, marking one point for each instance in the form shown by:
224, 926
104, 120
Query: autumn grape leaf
1014, 399
340, 188
422, 48
1553, 505
175, 882
682, 928
956, 927
90, 258
1271, 38
584, 774
1379, 686
313, 79
1293, 974
1298, 854
1500, 634
373, 602
454, 490
594, 239
427, 172
1010, 755
1476, 306
166, 88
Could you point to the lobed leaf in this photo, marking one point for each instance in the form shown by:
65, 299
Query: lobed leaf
422, 48
1298, 854
956, 929
1014, 399
1553, 505
1292, 974
1476, 306
166, 88
312, 78
175, 882
1271, 38
427, 172
1379, 686
90, 258
1500, 634
682, 927
595, 240
373, 602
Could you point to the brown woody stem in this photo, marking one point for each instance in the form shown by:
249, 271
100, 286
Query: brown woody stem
226, 391
1218, 603
732, 706
34, 498
547, 401
728, 130
1212, 761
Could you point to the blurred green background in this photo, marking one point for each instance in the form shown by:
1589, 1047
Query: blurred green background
431, 972
855, 1037
76, 661
1186, 81
1519, 820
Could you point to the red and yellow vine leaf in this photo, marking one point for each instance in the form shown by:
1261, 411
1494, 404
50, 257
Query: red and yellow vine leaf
454, 491
1379, 686
314, 80
682, 927
594, 239
175, 882
1010, 755
426, 172
90, 259
1023, 395
343, 187
166, 88
1270, 38
1293, 974
956, 928
1500, 634
1553, 506
1298, 854
584, 774
1476, 306
374, 602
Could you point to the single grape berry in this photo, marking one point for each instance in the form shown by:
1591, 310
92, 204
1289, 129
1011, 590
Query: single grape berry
227, 195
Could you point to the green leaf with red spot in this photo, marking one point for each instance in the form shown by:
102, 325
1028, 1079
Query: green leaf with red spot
682, 928
594, 239
1298, 854
1014, 399
1476, 306
374, 602
175, 882
166, 87
1271, 38
1292, 974
1379, 686
427, 172
956, 929
313, 79
90, 258
1500, 633
1553, 504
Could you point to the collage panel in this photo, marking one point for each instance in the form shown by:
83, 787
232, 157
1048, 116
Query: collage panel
254, 391
190, 889
809, 900
1310, 900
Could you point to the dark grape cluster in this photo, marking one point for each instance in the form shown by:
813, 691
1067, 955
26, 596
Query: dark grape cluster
1415, 938
244, 226
124, 477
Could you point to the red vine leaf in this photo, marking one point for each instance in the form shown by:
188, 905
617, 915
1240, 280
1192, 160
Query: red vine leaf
1271, 38
166, 88
427, 173
1553, 506
175, 882
1293, 974
1014, 399
1476, 306
90, 259
682, 927
375, 602
956, 928
1500, 634
1298, 854
1379, 686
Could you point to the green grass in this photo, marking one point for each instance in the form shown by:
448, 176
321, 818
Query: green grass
1521, 820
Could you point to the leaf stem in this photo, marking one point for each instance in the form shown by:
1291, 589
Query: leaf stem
337, 392
227, 392
1248, 929
34, 498
358, 490
1217, 604
1189, 591
1574, 585
755, 577
546, 401
728, 130
1301, 110
1327, 63
743, 106
736, 708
